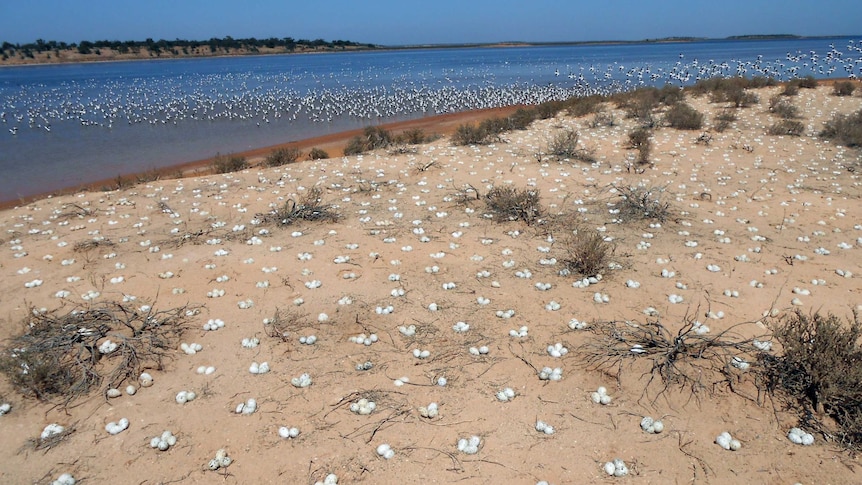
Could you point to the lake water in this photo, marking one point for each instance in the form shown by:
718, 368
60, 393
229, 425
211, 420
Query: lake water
64, 125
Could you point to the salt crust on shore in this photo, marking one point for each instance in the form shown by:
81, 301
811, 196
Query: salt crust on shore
778, 201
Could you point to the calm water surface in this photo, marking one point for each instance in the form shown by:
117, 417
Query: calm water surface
64, 125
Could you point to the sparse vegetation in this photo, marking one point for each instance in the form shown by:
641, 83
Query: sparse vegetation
783, 108
372, 138
724, 119
786, 128
306, 207
61, 355
640, 203
549, 109
565, 146
490, 129
317, 154
506, 203
587, 254
583, 105
229, 163
844, 129
282, 156
820, 368
639, 140
683, 117
602, 119
843, 88
731, 90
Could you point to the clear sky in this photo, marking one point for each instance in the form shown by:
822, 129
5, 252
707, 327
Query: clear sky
405, 22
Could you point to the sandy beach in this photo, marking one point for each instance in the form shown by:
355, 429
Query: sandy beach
465, 311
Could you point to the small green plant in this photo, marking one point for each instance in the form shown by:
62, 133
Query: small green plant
282, 156
844, 129
786, 128
506, 203
587, 254
564, 146
229, 163
683, 117
843, 88
317, 154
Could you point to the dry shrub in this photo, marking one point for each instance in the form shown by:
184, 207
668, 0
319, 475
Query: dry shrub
564, 146
639, 139
790, 89
683, 117
414, 136
843, 88
307, 207
587, 254
372, 138
687, 359
820, 368
282, 156
723, 119
522, 118
582, 106
844, 129
786, 128
549, 109
507, 203
807, 82
91, 244
602, 119
229, 163
317, 154
469, 134
783, 108
59, 356
642, 203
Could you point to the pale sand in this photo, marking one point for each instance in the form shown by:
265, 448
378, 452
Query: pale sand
782, 189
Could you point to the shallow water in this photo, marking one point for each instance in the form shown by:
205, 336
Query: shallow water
64, 125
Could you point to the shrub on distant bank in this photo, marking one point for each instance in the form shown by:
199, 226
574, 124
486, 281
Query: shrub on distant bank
468, 134
790, 89
229, 163
786, 128
317, 154
583, 105
489, 129
731, 90
372, 138
521, 119
683, 117
844, 129
282, 156
549, 109
807, 82
843, 88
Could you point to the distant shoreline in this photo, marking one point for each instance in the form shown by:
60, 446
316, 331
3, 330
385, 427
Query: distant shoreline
71, 56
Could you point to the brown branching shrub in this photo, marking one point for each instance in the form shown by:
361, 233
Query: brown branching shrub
581, 106
59, 354
414, 136
307, 207
282, 156
469, 134
683, 117
317, 154
786, 128
820, 368
507, 203
372, 138
790, 89
640, 140
521, 119
564, 146
687, 359
602, 119
549, 109
642, 203
843, 88
844, 129
587, 254
229, 163
807, 82
783, 108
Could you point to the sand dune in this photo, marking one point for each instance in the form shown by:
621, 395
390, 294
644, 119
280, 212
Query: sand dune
758, 223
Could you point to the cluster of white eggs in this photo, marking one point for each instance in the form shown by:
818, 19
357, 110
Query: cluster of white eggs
64, 479
261, 368
303, 380
548, 374
288, 432
616, 468
367, 365
385, 451
651, 426
482, 350
384, 310
191, 349
247, 407
600, 396
505, 395
5, 408
576, 324
51, 430
469, 446
519, 333
164, 441
183, 397
250, 342
544, 427
461, 327
221, 460
587, 281
363, 407
429, 411
117, 427
800, 437
107, 347
308, 340
557, 350
363, 339
407, 331
331, 479
726, 441
421, 354
213, 324
505, 314
205, 370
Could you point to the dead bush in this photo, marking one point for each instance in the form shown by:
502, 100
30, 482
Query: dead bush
844, 129
564, 146
469, 134
582, 106
549, 109
282, 156
820, 369
687, 359
507, 203
522, 118
843, 88
790, 89
723, 119
781, 107
786, 128
642, 203
602, 119
307, 207
587, 254
65, 355
683, 117
317, 154
640, 140
372, 138
229, 163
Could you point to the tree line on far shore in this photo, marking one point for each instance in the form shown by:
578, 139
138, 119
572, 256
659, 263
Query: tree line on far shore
175, 47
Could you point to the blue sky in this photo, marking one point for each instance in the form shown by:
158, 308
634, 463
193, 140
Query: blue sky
405, 22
